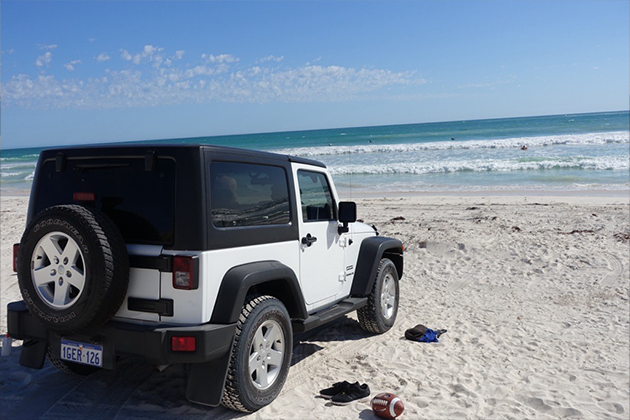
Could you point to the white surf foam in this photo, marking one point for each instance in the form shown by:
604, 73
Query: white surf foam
479, 165
540, 141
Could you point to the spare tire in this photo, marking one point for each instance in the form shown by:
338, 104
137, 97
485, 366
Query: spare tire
73, 268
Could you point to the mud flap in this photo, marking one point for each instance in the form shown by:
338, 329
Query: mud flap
207, 380
33, 354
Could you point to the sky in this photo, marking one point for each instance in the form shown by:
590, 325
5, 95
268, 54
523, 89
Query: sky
87, 72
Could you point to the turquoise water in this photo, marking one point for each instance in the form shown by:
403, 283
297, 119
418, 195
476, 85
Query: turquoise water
578, 152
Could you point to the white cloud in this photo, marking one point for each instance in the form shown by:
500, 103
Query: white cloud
272, 58
220, 63
220, 59
47, 47
70, 65
44, 88
199, 71
91, 39
124, 54
43, 59
216, 78
148, 53
103, 57
150, 49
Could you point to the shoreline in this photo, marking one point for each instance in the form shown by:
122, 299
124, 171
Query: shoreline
494, 193
15, 193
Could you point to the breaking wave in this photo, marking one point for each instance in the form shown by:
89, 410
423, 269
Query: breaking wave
540, 141
418, 168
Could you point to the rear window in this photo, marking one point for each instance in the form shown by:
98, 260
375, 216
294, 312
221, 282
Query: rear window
141, 203
245, 194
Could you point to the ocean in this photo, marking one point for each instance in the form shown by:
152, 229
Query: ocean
574, 152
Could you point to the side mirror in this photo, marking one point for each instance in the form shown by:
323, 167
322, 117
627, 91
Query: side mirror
347, 214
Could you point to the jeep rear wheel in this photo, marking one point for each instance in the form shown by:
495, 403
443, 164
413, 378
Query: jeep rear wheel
261, 355
379, 315
73, 268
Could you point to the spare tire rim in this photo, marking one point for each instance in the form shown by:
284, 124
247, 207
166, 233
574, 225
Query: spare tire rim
388, 296
58, 270
266, 354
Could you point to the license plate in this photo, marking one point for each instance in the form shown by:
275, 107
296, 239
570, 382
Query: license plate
86, 354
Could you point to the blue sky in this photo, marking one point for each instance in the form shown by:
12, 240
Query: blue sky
84, 72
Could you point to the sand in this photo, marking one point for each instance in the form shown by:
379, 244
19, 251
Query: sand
534, 293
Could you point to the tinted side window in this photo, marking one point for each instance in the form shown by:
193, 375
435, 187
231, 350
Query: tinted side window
244, 194
317, 202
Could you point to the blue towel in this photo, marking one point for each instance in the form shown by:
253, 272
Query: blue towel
429, 336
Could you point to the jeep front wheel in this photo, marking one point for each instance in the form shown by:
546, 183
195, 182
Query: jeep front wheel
261, 355
379, 315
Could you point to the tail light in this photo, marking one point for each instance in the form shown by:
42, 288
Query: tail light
16, 248
183, 343
185, 272
84, 196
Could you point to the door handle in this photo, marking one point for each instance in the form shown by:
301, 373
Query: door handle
308, 240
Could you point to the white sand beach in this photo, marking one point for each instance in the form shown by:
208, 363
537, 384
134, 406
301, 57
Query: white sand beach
534, 293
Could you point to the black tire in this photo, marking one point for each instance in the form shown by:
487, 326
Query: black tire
379, 315
69, 367
242, 390
79, 261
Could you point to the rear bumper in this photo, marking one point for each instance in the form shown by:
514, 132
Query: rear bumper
213, 341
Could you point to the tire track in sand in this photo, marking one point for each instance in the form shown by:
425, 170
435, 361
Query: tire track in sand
464, 280
616, 266
304, 369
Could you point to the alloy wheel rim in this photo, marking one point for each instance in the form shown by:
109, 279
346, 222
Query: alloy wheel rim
266, 354
388, 296
58, 270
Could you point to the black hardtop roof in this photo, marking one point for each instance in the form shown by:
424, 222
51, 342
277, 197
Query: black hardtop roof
169, 149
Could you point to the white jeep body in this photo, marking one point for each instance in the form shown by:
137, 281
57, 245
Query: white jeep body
326, 269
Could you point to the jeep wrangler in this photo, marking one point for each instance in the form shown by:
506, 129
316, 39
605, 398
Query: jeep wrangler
208, 256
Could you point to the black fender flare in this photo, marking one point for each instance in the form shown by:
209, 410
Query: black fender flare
268, 278
370, 254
